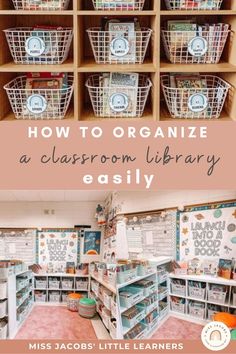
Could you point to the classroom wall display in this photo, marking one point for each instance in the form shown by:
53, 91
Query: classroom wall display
58, 247
92, 243
15, 243
208, 232
152, 235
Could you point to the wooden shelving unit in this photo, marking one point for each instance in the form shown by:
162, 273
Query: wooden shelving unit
81, 16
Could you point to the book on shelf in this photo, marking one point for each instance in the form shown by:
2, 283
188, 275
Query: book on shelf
119, 93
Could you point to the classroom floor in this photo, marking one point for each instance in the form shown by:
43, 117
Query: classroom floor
175, 328
56, 322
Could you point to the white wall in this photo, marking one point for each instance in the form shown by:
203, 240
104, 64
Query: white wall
142, 201
31, 214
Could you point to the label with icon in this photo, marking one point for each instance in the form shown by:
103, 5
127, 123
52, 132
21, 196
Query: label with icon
36, 104
198, 46
119, 46
119, 102
35, 46
197, 102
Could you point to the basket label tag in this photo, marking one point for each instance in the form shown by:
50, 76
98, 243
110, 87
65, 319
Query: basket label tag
35, 46
36, 104
197, 102
119, 47
198, 46
119, 102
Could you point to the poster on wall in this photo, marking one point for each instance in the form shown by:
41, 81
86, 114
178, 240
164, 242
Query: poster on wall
208, 234
92, 243
56, 248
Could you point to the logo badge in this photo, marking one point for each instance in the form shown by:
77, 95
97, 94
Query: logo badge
197, 102
198, 46
35, 46
36, 104
119, 47
215, 336
119, 102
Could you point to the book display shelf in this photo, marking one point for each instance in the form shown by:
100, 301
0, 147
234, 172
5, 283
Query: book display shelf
80, 63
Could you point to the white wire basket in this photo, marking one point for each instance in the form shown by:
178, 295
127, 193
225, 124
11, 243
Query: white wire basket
202, 103
118, 102
30, 46
186, 48
112, 47
193, 5
40, 103
45, 5
119, 5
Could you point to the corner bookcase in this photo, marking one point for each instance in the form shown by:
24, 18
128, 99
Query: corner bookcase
81, 15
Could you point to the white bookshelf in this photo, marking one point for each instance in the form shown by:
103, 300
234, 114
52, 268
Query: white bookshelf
60, 289
12, 307
228, 304
24, 307
107, 304
4, 299
151, 328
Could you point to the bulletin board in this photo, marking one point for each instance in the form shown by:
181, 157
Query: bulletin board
207, 232
58, 247
155, 236
15, 244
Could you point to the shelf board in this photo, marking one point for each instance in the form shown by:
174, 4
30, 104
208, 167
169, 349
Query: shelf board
116, 13
132, 281
68, 66
63, 275
165, 116
89, 65
205, 279
34, 13
198, 13
123, 309
218, 303
104, 283
223, 67
88, 115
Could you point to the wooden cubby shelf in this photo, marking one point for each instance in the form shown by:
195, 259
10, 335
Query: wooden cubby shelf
81, 16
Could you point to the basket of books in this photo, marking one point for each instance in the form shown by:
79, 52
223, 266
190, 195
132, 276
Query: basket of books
194, 96
193, 4
197, 290
178, 287
39, 44
119, 5
217, 293
187, 42
3, 290
178, 305
41, 5
40, 95
118, 95
197, 309
234, 296
54, 296
212, 310
119, 42
3, 328
40, 296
